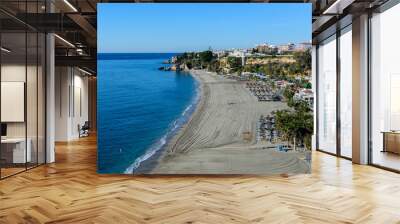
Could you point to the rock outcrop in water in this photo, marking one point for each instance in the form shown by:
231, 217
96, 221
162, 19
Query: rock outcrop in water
174, 67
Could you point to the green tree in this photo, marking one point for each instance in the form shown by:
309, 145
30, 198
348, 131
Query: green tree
300, 106
296, 126
206, 57
288, 93
234, 63
307, 85
189, 65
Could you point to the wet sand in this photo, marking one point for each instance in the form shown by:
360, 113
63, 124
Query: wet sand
220, 137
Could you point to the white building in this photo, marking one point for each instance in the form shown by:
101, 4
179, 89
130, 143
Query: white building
239, 54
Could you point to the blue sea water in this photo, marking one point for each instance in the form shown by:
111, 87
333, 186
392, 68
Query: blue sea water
139, 108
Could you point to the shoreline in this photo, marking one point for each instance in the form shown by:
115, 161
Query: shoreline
148, 164
199, 106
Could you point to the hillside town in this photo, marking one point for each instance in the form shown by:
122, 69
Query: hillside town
268, 70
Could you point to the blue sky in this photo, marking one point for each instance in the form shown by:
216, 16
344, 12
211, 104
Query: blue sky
151, 27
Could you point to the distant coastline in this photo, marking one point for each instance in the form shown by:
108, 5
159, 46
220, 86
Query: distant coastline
137, 56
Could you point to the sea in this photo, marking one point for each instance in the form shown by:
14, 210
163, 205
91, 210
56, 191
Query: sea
139, 108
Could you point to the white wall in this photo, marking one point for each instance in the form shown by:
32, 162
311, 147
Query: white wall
62, 83
80, 110
71, 93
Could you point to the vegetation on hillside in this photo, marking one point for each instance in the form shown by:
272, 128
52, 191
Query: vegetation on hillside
197, 60
275, 70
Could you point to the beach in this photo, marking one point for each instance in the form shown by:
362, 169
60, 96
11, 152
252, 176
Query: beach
220, 136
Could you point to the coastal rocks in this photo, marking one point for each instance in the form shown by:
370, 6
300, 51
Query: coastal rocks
175, 67
164, 68
173, 60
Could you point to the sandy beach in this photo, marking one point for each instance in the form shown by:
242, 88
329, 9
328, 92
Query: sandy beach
220, 137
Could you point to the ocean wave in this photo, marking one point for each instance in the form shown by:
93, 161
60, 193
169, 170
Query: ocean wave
147, 155
172, 130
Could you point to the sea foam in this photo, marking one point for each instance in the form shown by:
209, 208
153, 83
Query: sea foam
172, 130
